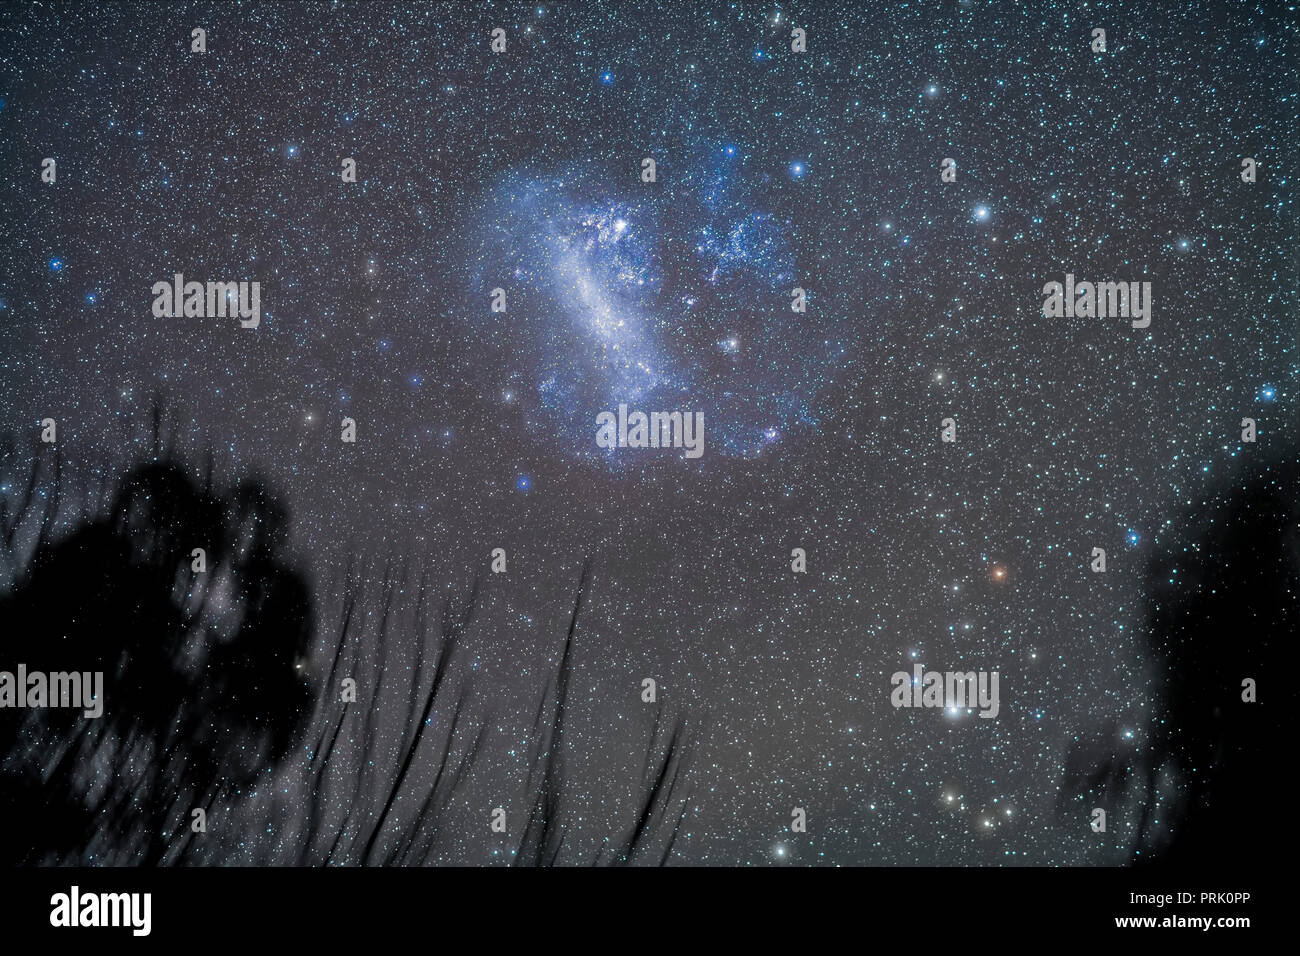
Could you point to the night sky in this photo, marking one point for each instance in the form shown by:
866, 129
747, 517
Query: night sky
776, 169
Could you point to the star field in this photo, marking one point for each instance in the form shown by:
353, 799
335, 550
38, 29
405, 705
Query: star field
521, 170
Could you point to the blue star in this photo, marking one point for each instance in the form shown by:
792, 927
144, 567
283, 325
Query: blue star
1132, 538
797, 169
607, 78
1268, 393
524, 483
56, 265
982, 213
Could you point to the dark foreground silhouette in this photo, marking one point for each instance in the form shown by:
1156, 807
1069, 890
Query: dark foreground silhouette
201, 687
207, 693
1223, 604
